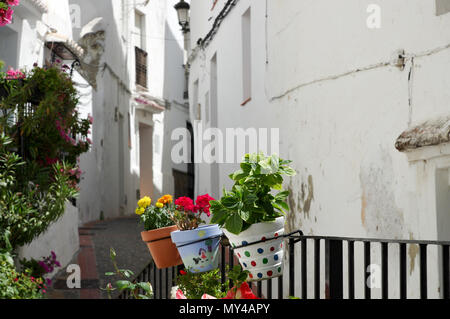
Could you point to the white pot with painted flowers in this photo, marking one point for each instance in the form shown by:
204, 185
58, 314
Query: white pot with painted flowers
252, 214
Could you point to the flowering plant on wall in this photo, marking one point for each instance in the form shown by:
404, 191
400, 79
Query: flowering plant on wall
6, 11
39, 112
187, 215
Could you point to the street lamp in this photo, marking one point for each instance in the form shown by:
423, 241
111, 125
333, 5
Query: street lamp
183, 14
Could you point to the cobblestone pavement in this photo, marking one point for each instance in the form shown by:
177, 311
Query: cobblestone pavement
96, 239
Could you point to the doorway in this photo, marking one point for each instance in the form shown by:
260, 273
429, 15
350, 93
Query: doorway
146, 160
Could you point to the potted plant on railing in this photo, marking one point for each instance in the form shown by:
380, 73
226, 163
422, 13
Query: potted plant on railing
158, 225
198, 245
252, 216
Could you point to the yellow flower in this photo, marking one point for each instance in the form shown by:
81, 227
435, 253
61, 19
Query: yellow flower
159, 205
165, 199
144, 202
140, 211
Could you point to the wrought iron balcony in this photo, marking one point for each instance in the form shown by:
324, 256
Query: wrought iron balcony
334, 270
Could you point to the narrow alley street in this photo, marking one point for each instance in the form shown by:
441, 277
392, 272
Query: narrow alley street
96, 239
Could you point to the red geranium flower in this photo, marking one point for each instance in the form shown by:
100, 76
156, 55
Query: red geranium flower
203, 204
185, 203
244, 292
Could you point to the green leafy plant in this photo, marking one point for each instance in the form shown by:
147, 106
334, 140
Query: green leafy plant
14, 284
156, 216
42, 136
195, 285
140, 290
27, 210
251, 199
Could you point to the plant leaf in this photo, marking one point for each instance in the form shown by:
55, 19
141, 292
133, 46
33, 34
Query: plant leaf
234, 224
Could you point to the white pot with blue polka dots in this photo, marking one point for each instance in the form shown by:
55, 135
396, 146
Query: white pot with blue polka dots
263, 260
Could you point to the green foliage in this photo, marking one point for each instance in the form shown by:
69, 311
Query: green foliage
155, 217
41, 138
43, 104
195, 285
15, 285
251, 200
140, 290
26, 210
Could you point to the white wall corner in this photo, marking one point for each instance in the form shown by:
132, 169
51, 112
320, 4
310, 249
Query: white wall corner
61, 237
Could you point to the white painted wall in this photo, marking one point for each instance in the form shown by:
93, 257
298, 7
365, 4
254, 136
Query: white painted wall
61, 237
325, 79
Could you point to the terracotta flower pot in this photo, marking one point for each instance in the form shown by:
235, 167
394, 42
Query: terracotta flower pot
164, 252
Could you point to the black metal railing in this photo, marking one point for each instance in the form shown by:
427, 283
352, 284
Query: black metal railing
338, 257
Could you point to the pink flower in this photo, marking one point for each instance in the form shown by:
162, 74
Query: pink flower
12, 74
13, 2
90, 118
6, 16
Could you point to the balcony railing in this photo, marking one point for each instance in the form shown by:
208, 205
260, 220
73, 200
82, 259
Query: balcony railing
141, 67
336, 262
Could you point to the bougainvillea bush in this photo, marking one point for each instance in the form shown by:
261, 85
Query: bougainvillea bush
42, 137
6, 11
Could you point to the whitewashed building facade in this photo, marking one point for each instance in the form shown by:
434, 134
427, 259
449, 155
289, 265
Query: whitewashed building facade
341, 80
128, 66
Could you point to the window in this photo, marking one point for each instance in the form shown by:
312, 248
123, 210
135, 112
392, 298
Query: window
141, 67
246, 57
139, 30
140, 53
442, 7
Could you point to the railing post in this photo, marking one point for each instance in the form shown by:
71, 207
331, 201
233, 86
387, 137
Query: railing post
367, 289
333, 269
446, 271
304, 269
291, 268
423, 272
351, 270
402, 263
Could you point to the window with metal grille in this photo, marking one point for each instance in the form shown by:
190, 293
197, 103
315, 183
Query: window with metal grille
141, 67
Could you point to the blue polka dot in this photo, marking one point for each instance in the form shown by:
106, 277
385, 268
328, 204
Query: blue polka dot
260, 250
244, 243
260, 275
275, 257
245, 265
